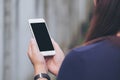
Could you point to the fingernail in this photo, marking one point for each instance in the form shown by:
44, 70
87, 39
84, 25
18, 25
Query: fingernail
32, 40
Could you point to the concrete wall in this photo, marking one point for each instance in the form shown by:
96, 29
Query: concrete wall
1, 40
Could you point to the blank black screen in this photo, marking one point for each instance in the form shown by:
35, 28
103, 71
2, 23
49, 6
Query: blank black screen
42, 36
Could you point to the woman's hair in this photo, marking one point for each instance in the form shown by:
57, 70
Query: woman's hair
106, 19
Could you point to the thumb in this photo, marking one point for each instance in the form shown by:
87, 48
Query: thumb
34, 47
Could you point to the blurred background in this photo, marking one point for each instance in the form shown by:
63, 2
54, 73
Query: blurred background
67, 22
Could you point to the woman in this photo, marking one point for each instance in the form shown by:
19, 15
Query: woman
97, 59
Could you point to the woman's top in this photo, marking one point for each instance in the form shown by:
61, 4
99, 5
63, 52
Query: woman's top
97, 61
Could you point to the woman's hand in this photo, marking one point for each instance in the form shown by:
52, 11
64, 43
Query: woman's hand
36, 58
54, 62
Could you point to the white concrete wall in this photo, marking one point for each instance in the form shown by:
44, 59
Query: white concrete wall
26, 11
1, 40
64, 18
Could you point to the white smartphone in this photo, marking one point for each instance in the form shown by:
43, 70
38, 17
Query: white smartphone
41, 35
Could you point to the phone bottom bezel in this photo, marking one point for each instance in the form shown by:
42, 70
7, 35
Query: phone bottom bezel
48, 53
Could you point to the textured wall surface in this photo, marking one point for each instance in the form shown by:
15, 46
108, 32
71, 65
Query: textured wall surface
1, 40
63, 17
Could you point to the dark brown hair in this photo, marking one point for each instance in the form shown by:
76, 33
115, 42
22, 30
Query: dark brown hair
105, 21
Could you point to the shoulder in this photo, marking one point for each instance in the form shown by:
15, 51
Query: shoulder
80, 53
89, 48
93, 51
96, 51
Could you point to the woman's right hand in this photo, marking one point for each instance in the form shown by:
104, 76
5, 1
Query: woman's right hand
53, 63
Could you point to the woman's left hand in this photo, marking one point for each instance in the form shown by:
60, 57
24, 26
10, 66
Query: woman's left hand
36, 58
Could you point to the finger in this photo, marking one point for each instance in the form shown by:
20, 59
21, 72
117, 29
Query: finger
29, 50
54, 43
34, 47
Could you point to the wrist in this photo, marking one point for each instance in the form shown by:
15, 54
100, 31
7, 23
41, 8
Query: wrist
40, 69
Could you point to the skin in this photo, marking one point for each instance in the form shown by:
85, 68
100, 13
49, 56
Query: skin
94, 2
